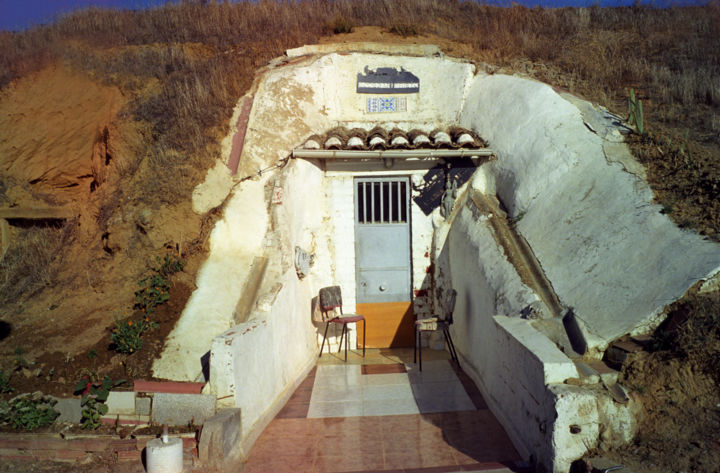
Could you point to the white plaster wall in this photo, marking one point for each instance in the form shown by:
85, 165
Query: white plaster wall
583, 216
443, 83
470, 261
421, 240
234, 242
254, 363
515, 366
604, 246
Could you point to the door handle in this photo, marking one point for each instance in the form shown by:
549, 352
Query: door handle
382, 288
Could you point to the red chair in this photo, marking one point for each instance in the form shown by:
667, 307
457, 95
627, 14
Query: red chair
332, 313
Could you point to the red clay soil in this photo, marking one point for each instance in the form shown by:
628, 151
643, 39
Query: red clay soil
57, 374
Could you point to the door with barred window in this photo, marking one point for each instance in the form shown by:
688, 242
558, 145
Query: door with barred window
382, 260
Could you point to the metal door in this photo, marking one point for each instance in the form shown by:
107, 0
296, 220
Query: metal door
382, 257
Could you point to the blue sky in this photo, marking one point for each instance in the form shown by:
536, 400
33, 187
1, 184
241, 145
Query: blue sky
20, 14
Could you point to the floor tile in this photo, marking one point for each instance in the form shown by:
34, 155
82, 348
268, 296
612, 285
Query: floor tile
380, 379
363, 427
386, 392
383, 420
335, 409
383, 368
281, 464
337, 393
428, 405
349, 461
297, 410
384, 407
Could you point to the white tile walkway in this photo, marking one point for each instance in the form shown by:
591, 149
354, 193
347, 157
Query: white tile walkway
343, 391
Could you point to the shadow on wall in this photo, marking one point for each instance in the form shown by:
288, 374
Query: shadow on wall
431, 190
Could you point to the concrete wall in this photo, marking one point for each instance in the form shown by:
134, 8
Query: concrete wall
592, 225
519, 371
509, 361
256, 364
443, 83
219, 284
604, 245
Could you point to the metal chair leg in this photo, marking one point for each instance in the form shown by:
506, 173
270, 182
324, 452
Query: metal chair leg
419, 342
342, 334
451, 345
327, 325
364, 324
347, 337
415, 345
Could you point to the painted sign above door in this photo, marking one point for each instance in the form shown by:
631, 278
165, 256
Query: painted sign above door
387, 80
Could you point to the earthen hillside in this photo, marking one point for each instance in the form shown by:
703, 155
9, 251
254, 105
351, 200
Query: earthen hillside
109, 119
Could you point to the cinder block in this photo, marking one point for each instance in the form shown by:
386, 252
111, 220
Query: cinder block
182, 409
69, 409
121, 402
220, 441
142, 406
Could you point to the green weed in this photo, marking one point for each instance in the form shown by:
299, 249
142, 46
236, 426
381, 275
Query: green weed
154, 290
28, 412
169, 265
5, 382
94, 395
127, 335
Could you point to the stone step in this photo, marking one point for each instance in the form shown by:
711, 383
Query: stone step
605, 465
170, 387
607, 374
618, 351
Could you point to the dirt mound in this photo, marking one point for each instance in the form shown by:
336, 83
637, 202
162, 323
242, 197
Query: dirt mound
677, 382
65, 141
55, 131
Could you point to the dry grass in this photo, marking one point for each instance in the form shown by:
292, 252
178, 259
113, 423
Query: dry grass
33, 260
187, 64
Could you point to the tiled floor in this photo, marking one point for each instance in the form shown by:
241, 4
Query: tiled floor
381, 414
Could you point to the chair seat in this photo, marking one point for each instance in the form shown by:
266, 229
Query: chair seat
431, 324
347, 319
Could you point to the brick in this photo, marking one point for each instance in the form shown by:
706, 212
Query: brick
123, 445
129, 455
45, 454
70, 455
46, 444
15, 457
88, 444
142, 442
13, 444
174, 387
13, 452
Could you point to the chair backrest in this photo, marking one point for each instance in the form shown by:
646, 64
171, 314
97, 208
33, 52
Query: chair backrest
450, 305
330, 300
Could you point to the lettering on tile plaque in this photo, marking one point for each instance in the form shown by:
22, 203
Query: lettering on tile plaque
387, 80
